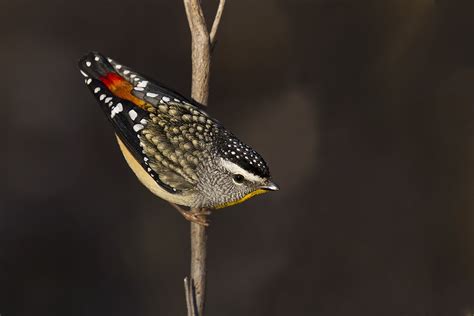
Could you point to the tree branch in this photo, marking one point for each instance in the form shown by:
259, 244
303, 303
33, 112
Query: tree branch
201, 42
200, 51
217, 20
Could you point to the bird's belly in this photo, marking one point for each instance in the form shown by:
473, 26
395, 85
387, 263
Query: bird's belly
149, 182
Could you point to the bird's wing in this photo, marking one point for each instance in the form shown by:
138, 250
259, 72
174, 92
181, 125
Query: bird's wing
165, 132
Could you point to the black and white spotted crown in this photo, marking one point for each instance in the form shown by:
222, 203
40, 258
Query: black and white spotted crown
234, 150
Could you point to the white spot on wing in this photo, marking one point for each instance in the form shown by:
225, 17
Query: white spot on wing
142, 84
151, 94
117, 109
96, 90
84, 74
138, 127
88, 63
133, 115
96, 58
102, 97
166, 99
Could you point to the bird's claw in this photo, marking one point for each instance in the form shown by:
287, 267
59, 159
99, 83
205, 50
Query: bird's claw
196, 216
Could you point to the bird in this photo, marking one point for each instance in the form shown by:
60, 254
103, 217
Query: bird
176, 150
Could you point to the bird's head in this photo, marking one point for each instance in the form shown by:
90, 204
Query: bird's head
236, 173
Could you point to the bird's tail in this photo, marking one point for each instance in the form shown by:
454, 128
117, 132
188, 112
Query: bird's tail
95, 65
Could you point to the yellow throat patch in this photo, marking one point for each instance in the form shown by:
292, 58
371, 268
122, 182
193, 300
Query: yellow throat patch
245, 198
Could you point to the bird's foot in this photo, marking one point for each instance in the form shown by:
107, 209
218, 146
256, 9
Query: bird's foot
198, 216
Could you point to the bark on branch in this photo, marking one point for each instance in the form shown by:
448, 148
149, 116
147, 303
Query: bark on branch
201, 44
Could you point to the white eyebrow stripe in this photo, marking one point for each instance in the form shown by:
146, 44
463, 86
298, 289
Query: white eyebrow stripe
236, 169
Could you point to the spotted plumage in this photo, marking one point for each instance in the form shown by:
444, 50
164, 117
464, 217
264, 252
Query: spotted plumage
174, 147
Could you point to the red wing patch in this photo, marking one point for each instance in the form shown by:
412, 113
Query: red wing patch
121, 88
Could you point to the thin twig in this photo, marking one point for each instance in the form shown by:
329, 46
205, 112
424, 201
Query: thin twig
187, 296
217, 20
201, 42
190, 300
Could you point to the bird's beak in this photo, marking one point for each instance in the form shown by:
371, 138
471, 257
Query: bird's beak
270, 186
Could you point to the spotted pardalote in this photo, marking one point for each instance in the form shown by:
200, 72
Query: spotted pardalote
174, 147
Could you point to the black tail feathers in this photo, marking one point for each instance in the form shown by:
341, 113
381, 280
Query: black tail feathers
95, 65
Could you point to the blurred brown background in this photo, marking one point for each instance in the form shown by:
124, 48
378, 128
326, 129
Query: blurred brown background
363, 110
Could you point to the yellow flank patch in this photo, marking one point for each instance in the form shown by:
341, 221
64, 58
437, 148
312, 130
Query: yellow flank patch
245, 198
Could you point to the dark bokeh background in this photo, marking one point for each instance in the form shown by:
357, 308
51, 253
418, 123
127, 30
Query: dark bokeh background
363, 109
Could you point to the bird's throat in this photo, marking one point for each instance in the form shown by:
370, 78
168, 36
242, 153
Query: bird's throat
245, 198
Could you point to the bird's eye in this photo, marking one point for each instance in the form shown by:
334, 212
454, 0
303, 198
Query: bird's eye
238, 178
